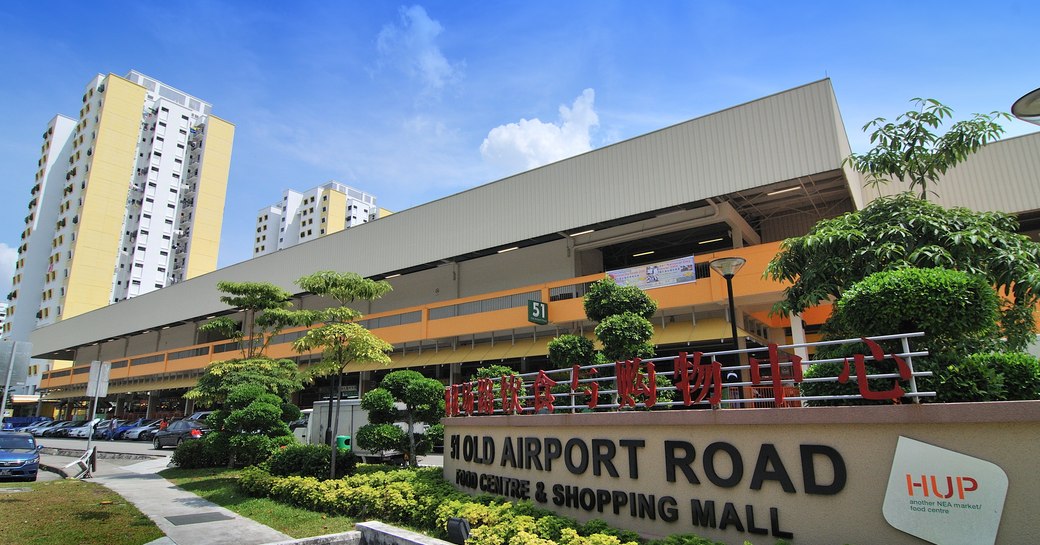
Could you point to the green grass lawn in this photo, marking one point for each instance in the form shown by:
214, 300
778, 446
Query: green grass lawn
70, 511
218, 486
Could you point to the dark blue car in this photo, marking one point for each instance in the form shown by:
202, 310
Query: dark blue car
19, 456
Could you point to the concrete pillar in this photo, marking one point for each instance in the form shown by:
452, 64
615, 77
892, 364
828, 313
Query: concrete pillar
798, 336
120, 407
189, 407
153, 399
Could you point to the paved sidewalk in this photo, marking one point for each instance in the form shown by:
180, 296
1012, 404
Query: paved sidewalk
185, 518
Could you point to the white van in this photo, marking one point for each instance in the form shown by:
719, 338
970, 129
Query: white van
301, 426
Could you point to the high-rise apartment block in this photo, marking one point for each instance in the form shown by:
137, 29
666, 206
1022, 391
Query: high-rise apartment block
127, 199
317, 212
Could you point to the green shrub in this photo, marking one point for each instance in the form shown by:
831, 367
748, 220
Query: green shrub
434, 435
568, 350
626, 335
970, 380
311, 461
957, 311
191, 455
606, 298
684, 539
424, 500
381, 437
1021, 372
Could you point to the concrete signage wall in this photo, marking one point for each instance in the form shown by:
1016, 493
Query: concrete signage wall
930, 473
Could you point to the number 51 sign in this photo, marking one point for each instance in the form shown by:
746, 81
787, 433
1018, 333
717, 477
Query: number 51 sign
537, 312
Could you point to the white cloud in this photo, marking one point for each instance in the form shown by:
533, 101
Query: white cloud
411, 47
532, 143
8, 256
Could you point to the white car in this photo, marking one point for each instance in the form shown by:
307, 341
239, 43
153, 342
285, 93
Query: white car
83, 429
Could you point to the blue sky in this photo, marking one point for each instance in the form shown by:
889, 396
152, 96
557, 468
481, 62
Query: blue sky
413, 102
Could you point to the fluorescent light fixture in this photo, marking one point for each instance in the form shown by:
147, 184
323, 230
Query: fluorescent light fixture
779, 191
709, 241
582, 232
211, 317
166, 327
392, 276
643, 253
509, 249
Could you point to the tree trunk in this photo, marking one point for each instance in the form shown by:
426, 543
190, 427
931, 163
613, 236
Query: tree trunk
411, 439
335, 425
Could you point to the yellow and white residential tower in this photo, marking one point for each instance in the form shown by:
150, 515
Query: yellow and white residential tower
127, 199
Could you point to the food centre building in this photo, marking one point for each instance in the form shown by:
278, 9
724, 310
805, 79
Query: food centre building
465, 270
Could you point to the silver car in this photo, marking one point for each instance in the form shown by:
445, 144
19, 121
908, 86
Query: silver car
135, 433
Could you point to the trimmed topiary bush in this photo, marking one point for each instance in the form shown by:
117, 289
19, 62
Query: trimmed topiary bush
957, 311
606, 298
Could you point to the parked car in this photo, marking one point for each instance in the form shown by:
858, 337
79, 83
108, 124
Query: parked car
178, 432
84, 428
200, 416
145, 429
62, 429
129, 425
104, 429
19, 456
37, 424
38, 430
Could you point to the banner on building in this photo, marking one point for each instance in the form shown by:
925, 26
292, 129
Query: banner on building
656, 275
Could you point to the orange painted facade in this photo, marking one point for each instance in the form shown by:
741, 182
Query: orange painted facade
748, 284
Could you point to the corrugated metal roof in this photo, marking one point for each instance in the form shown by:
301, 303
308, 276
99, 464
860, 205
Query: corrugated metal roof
781, 137
1012, 165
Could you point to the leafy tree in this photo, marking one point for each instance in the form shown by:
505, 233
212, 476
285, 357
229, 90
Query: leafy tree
904, 231
254, 395
281, 378
956, 310
423, 400
623, 313
265, 307
908, 149
340, 338
568, 350
254, 390
606, 298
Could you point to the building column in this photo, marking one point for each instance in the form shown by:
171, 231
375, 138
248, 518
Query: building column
189, 407
798, 336
119, 409
153, 399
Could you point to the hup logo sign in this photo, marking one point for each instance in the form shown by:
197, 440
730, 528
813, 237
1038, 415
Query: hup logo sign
943, 496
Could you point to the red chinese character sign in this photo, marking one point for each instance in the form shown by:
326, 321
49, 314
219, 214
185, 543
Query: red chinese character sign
696, 377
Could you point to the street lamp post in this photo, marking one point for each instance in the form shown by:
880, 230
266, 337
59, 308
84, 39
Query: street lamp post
727, 267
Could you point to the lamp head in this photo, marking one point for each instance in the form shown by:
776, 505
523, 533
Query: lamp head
1027, 108
727, 266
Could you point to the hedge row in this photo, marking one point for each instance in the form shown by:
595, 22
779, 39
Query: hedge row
424, 500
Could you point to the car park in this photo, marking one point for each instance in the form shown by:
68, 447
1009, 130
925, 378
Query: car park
178, 432
19, 456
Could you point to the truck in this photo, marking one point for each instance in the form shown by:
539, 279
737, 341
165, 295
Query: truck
351, 418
